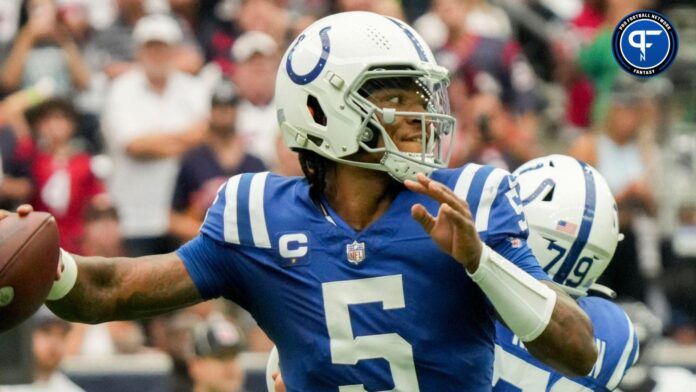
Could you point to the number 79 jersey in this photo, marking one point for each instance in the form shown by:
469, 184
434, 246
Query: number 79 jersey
516, 370
382, 309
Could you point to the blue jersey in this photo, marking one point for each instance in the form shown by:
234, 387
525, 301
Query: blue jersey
373, 310
617, 346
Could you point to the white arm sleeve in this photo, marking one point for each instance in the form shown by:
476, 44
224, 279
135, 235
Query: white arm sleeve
524, 303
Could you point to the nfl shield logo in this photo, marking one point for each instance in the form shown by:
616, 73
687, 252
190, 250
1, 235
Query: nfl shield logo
355, 252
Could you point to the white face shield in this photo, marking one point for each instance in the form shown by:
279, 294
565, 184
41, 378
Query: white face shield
401, 101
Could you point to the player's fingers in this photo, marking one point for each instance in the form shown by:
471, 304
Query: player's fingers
415, 186
4, 214
439, 192
458, 219
421, 215
427, 187
452, 215
421, 185
443, 194
423, 179
24, 209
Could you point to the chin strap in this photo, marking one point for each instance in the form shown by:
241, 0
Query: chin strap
601, 291
403, 169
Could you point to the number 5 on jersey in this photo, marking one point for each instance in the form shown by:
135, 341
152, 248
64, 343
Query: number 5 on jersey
346, 349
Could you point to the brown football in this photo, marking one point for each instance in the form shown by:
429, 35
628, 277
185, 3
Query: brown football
29, 253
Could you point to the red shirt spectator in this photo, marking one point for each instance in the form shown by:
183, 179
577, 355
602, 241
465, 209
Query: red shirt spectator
65, 189
579, 88
64, 183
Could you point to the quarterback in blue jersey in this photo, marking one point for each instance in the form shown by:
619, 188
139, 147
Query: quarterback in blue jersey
566, 203
573, 233
379, 270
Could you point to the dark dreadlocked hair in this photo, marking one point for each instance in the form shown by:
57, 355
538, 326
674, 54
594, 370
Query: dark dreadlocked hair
315, 167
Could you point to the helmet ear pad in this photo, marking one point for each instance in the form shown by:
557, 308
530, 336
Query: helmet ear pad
370, 136
316, 111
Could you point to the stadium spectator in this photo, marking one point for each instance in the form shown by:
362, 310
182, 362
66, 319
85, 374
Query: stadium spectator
353, 5
74, 14
152, 116
202, 29
217, 27
257, 58
49, 348
491, 136
9, 22
102, 235
265, 16
487, 64
625, 157
679, 255
206, 167
390, 8
592, 60
15, 172
15, 138
63, 177
487, 20
578, 87
174, 336
214, 367
114, 50
45, 48
104, 340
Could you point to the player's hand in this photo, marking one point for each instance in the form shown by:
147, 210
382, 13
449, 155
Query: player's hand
279, 385
453, 229
24, 210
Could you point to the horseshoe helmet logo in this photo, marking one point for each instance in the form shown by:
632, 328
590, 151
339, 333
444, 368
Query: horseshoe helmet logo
314, 72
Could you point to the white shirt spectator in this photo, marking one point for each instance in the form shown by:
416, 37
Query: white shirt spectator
142, 189
9, 20
489, 21
57, 383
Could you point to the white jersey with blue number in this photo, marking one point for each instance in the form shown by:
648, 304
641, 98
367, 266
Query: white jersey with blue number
381, 309
516, 370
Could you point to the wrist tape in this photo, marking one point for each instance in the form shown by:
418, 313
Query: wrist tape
67, 280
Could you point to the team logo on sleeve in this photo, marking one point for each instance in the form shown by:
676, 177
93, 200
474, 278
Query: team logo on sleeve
645, 43
355, 252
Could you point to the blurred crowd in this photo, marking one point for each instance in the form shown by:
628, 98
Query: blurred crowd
123, 117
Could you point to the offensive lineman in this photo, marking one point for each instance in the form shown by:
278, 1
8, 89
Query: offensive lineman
558, 191
331, 266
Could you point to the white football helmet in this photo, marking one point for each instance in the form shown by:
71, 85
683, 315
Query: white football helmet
572, 217
327, 75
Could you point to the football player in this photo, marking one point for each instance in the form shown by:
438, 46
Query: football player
332, 266
573, 231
